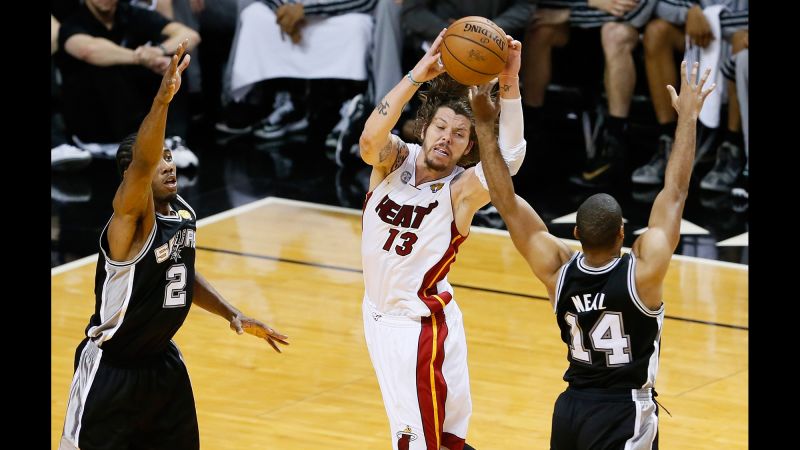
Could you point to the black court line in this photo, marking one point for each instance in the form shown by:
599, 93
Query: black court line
464, 286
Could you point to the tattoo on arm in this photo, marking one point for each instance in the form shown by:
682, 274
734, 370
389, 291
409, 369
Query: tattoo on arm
386, 150
383, 107
402, 154
506, 87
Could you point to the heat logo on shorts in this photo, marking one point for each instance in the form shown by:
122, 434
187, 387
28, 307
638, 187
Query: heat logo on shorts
406, 432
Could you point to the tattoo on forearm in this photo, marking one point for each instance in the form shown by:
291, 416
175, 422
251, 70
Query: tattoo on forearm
383, 107
506, 87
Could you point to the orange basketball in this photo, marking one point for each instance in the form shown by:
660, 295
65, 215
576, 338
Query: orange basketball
474, 50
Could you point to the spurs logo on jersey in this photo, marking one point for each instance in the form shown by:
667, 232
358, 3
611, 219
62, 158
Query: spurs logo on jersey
409, 241
141, 303
172, 249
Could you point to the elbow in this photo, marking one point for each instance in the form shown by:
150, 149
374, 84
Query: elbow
366, 146
515, 162
677, 193
89, 53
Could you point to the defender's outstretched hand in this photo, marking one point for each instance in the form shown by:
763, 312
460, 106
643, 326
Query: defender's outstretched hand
484, 107
243, 324
692, 97
172, 77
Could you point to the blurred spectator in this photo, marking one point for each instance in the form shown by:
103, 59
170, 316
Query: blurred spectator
290, 43
618, 23
63, 156
675, 23
738, 74
110, 55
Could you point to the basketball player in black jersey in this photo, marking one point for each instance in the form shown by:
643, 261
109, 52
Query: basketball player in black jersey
608, 306
131, 388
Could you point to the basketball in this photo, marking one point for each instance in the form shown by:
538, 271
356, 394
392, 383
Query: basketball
474, 50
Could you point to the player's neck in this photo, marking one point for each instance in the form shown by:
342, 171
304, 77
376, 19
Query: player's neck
425, 173
163, 208
599, 259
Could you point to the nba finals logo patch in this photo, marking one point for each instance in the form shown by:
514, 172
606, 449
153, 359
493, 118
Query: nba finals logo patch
435, 187
406, 432
405, 176
184, 214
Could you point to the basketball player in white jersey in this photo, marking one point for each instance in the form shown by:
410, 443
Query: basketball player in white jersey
417, 213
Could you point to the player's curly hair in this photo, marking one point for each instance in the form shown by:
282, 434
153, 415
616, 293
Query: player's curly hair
445, 91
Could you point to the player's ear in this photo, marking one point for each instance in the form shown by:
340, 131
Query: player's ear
469, 147
575, 233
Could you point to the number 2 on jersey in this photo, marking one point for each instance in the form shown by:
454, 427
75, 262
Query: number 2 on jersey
174, 295
607, 335
404, 247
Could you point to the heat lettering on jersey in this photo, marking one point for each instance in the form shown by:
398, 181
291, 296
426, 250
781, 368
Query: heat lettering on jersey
406, 216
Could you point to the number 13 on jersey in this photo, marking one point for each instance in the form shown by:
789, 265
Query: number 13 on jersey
405, 245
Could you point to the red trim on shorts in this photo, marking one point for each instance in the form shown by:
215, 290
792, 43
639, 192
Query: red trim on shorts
430, 366
452, 441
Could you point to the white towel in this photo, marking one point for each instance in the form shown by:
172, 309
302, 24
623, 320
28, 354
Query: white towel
333, 47
708, 57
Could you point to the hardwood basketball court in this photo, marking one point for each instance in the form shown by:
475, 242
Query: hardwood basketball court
297, 267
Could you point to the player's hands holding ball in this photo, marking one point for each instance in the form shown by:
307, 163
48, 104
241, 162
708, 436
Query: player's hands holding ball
514, 60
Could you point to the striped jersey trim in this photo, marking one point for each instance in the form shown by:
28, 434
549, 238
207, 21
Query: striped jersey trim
635, 295
138, 256
560, 281
596, 270
111, 321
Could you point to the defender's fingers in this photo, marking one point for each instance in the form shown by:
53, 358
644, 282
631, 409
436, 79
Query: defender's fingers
273, 345
708, 91
683, 72
673, 95
706, 74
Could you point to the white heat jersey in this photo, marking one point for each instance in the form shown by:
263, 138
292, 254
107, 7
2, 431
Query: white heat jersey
408, 242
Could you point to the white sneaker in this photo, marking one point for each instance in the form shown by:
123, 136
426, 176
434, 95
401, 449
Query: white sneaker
181, 155
68, 157
98, 149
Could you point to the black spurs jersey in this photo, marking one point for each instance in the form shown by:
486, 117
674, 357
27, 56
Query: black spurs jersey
141, 303
613, 338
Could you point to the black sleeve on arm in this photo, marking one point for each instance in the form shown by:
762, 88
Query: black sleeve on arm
69, 29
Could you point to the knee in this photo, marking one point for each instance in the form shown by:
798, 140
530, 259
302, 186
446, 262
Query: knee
739, 41
618, 37
541, 36
656, 34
